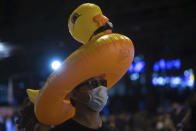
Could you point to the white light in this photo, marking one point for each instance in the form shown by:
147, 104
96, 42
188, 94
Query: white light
190, 83
154, 81
161, 81
2, 48
134, 76
176, 80
56, 64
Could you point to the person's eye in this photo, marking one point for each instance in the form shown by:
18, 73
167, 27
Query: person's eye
103, 82
94, 84
74, 18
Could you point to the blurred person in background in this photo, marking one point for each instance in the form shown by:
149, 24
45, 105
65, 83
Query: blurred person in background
123, 121
188, 122
178, 113
3, 123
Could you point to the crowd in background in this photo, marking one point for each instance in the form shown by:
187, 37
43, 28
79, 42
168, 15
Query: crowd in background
143, 120
163, 118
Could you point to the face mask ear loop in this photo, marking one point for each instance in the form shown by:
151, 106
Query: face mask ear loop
90, 97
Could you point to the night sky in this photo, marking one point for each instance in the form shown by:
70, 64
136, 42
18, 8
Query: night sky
36, 31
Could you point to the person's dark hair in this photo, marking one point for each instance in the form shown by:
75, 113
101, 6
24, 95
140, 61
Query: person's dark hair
27, 118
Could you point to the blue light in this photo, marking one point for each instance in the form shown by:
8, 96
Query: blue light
156, 67
169, 65
105, 111
162, 64
177, 63
130, 70
139, 66
137, 59
186, 80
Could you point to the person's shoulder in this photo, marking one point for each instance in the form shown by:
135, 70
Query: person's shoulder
68, 125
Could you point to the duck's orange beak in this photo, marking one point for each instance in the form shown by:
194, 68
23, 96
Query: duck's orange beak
100, 19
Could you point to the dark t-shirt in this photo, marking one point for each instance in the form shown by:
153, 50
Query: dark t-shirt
72, 125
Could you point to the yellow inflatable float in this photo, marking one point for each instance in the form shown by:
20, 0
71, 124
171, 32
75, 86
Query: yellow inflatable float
103, 53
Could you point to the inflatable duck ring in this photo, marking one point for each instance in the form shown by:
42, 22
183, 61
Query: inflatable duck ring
103, 53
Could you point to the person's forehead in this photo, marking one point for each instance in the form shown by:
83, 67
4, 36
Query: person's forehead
91, 83
84, 87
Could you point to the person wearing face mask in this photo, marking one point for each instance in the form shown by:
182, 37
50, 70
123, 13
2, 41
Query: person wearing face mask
89, 98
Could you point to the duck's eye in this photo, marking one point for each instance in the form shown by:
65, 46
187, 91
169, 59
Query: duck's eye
74, 18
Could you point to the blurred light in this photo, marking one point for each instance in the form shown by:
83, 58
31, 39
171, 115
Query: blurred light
154, 81
2, 47
193, 77
169, 65
9, 125
130, 70
134, 76
162, 64
190, 83
175, 81
167, 79
4, 50
177, 63
138, 58
139, 66
55, 65
189, 78
161, 81
156, 67
186, 73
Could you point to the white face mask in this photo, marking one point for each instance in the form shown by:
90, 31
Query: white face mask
98, 98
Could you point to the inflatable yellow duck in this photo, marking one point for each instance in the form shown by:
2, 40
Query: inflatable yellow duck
103, 54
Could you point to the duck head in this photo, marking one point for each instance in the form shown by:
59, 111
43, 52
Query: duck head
88, 21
